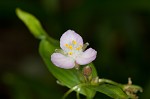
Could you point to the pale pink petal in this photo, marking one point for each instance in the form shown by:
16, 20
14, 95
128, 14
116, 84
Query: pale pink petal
86, 57
68, 37
62, 61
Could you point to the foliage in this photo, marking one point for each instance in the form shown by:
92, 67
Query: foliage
72, 78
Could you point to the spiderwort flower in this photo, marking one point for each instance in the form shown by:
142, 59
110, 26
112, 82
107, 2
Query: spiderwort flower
72, 51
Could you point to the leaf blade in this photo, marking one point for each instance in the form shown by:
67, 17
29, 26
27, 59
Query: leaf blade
32, 23
47, 46
68, 77
110, 90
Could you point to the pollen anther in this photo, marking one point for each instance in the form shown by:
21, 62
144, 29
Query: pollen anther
74, 42
66, 45
70, 53
70, 47
79, 48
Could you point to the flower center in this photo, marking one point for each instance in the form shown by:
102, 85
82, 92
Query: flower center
73, 49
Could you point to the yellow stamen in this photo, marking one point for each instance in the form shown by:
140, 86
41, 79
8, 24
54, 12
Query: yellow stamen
66, 45
79, 48
70, 47
70, 53
74, 42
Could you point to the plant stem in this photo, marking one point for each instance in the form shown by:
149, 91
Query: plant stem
69, 91
77, 87
78, 95
110, 82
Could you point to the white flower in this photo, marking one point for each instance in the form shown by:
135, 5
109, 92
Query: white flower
72, 52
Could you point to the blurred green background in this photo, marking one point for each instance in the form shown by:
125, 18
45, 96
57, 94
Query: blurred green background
118, 30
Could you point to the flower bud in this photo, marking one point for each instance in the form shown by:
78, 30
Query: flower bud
87, 71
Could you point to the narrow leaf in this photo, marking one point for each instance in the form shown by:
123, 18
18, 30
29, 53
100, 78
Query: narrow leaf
34, 26
110, 90
32, 23
70, 77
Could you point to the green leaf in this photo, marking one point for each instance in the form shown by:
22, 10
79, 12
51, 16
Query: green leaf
67, 77
110, 90
32, 23
34, 26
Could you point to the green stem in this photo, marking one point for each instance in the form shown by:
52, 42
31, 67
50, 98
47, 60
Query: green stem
78, 95
79, 73
110, 82
68, 92
89, 98
77, 87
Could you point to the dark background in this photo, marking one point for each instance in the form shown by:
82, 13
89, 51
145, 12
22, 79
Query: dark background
118, 29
